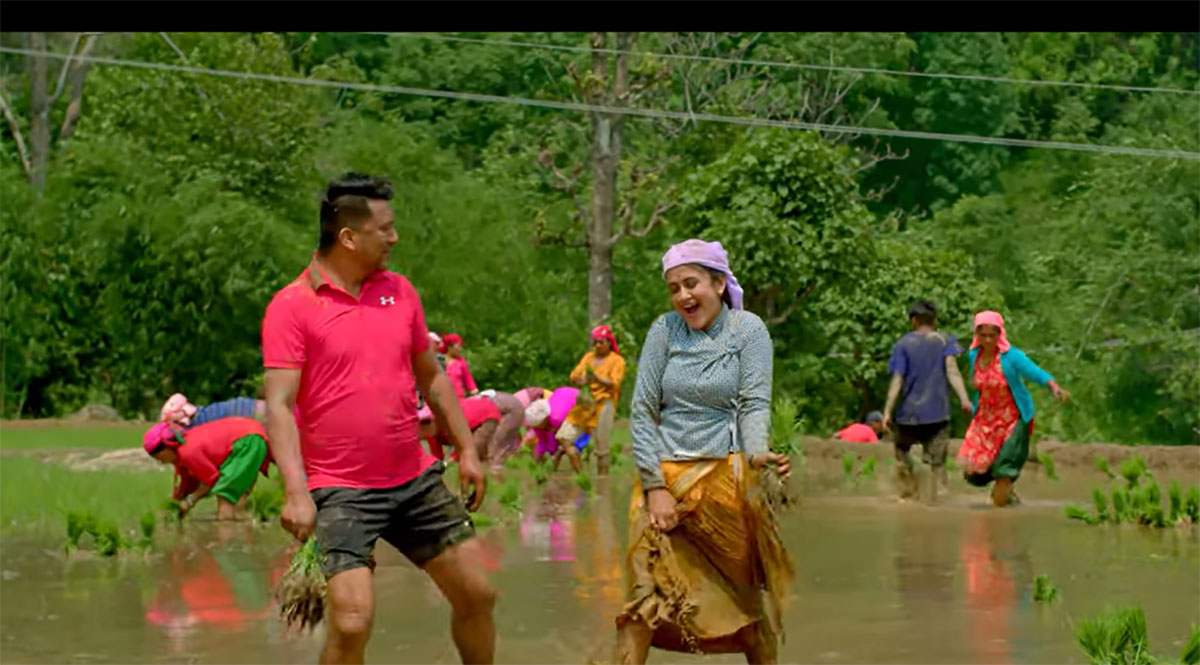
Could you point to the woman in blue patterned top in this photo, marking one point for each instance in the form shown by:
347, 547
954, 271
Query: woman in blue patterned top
703, 546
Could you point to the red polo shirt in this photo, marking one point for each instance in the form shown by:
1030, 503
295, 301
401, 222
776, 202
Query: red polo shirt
357, 407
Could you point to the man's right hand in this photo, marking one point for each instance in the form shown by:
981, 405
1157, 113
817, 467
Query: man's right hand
299, 516
965, 405
661, 505
887, 422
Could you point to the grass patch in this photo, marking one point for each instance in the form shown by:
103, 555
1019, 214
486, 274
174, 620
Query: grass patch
107, 437
37, 496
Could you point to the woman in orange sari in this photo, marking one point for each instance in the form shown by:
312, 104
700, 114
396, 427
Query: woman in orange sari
602, 370
707, 570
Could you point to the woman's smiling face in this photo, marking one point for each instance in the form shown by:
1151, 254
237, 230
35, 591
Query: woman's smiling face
695, 294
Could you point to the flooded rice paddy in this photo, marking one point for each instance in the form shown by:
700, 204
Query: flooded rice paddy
877, 582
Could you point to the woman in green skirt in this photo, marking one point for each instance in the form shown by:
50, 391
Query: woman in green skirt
997, 441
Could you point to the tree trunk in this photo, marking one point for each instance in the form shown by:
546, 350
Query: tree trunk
606, 160
39, 112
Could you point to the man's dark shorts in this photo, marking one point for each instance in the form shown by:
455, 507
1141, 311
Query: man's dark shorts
933, 438
421, 518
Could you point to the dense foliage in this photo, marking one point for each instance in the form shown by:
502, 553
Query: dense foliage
182, 202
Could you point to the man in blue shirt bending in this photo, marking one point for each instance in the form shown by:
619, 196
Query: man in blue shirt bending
922, 365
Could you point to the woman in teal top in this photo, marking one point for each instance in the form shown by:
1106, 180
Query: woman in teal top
997, 441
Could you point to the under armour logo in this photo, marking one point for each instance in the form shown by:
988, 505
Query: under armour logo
390, 300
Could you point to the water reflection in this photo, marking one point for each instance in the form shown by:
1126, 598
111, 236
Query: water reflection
999, 574
214, 579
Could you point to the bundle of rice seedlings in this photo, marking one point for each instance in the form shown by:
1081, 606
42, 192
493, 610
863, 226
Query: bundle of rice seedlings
107, 537
1102, 466
867, 469
301, 590
1175, 497
510, 495
1048, 464
1100, 502
784, 411
1080, 513
1120, 505
1191, 505
847, 465
78, 524
1115, 637
1043, 590
1132, 469
1191, 651
147, 525
171, 510
482, 521
584, 482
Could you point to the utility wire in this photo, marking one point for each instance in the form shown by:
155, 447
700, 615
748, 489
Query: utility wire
622, 110
788, 65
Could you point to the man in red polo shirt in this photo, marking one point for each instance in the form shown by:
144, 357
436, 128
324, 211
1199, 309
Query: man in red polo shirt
345, 345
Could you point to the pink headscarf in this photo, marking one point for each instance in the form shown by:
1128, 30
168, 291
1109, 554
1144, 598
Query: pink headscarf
707, 254
604, 332
990, 318
162, 434
177, 410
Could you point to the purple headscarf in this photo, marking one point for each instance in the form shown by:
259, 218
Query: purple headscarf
710, 255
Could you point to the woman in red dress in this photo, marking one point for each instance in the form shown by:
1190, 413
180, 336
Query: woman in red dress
997, 441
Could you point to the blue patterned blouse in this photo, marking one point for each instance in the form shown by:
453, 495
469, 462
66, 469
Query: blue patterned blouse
241, 407
701, 394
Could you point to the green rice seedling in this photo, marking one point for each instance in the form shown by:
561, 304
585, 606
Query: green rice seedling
1043, 590
78, 525
1120, 505
867, 469
848, 465
1080, 513
482, 521
1100, 503
147, 525
951, 463
784, 411
1191, 650
616, 448
1102, 466
301, 590
108, 538
1175, 498
510, 495
514, 463
1153, 515
1116, 637
171, 512
1048, 464
1191, 505
266, 501
1132, 469
539, 475
584, 482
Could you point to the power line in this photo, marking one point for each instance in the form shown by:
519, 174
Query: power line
788, 65
629, 111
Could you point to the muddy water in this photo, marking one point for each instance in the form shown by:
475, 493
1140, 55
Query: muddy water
878, 582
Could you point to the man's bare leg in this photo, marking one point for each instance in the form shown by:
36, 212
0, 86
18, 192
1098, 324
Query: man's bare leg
458, 572
349, 616
633, 643
906, 475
